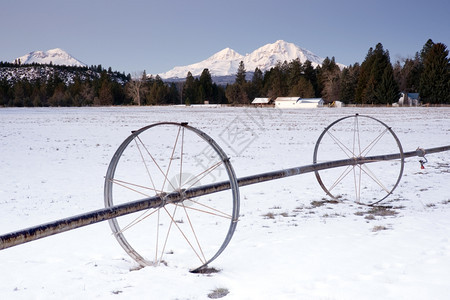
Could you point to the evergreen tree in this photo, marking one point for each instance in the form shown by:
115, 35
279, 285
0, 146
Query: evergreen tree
236, 94
295, 73
189, 89
310, 74
59, 96
206, 86
219, 94
87, 93
158, 93
435, 79
4, 92
173, 96
426, 48
387, 91
329, 79
105, 95
372, 70
255, 87
240, 75
275, 82
303, 89
349, 81
19, 94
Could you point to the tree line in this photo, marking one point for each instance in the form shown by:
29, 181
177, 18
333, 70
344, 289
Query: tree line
374, 81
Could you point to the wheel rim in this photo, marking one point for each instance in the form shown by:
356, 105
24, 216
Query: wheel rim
163, 158
357, 137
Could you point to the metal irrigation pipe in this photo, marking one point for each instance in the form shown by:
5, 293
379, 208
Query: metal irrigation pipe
44, 230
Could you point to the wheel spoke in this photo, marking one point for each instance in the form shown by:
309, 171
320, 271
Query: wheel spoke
154, 161
341, 177
145, 164
128, 185
170, 162
356, 136
184, 235
155, 261
172, 221
213, 211
369, 173
138, 219
196, 178
193, 232
341, 145
357, 183
372, 144
181, 156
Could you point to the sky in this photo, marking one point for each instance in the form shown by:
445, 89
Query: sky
155, 36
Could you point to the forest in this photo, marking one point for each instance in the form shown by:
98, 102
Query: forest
376, 81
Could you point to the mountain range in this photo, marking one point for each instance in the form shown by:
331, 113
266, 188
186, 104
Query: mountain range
225, 63
55, 56
222, 66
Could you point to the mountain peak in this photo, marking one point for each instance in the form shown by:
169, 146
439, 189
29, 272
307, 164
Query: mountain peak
55, 56
225, 54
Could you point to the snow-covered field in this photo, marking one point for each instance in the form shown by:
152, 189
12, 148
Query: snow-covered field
289, 243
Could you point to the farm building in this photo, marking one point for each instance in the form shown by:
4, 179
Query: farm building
409, 99
262, 101
297, 102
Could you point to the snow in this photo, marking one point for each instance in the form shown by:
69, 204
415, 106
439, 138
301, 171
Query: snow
226, 61
55, 56
53, 162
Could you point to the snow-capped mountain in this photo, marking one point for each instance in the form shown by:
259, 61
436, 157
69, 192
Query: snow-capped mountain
226, 61
223, 63
55, 56
267, 56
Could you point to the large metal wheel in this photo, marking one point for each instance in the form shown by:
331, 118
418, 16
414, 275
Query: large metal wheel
357, 137
164, 158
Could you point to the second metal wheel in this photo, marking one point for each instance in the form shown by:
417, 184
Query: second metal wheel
357, 137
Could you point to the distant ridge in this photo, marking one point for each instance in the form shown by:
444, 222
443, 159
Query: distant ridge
55, 56
226, 62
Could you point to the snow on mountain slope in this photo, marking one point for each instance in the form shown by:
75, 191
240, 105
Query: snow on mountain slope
55, 56
267, 56
226, 61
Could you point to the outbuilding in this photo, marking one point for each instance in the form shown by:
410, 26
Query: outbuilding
409, 99
297, 102
262, 101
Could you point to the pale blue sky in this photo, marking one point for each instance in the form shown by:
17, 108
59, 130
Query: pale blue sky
155, 36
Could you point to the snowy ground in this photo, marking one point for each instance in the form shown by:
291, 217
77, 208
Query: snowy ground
289, 242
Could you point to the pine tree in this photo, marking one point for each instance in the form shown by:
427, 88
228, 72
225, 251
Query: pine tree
349, 81
206, 85
311, 75
189, 89
387, 91
435, 79
236, 94
173, 97
372, 70
240, 75
426, 48
258, 80
303, 89
294, 73
255, 87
